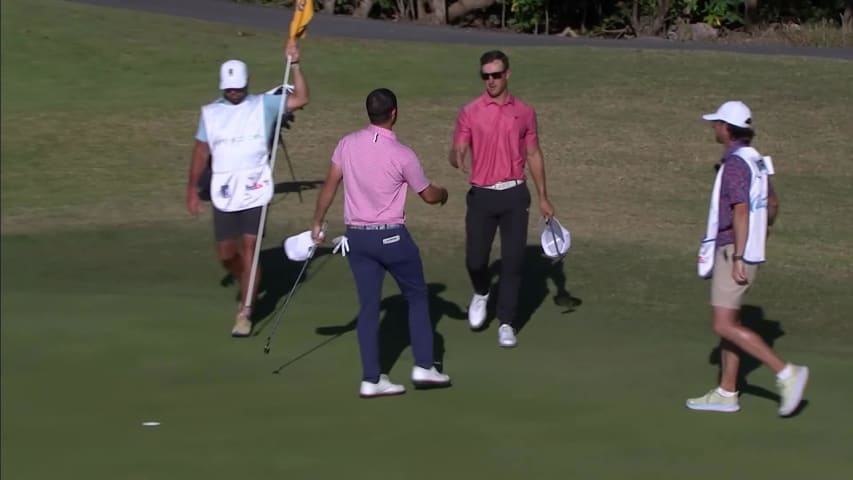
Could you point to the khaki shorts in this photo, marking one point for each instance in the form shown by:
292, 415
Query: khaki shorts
725, 292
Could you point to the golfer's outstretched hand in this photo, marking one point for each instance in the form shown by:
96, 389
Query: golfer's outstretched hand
457, 158
461, 165
546, 208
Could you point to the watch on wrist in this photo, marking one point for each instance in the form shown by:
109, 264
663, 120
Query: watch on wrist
737, 257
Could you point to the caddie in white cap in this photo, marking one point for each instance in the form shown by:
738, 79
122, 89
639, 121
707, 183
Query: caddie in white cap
235, 133
743, 205
734, 113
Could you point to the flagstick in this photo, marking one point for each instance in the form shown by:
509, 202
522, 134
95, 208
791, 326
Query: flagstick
248, 300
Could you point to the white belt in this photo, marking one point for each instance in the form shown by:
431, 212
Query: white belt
504, 185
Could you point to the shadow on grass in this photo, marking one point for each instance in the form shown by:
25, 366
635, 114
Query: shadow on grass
394, 328
297, 186
306, 353
284, 189
753, 318
538, 270
277, 277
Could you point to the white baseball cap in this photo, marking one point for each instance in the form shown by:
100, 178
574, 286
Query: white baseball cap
233, 74
734, 113
299, 247
555, 239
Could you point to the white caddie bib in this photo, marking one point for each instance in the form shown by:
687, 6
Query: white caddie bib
761, 168
708, 245
241, 176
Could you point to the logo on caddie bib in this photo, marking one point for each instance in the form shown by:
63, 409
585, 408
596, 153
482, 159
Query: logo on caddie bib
254, 182
758, 203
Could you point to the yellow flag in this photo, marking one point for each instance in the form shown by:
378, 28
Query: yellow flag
303, 11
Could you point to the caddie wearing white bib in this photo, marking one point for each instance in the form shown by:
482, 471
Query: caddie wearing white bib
236, 133
743, 206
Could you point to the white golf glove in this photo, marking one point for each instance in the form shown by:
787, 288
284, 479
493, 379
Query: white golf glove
341, 244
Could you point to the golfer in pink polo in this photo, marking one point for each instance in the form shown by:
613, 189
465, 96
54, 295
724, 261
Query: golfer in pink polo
377, 171
502, 134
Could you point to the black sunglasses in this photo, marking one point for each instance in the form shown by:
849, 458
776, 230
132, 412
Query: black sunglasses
494, 75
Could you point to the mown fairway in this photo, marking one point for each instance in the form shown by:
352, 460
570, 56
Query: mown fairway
113, 313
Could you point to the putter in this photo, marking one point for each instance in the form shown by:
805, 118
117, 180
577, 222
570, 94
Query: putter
280, 313
289, 296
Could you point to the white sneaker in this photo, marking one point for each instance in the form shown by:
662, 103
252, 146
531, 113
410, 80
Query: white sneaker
477, 310
242, 326
506, 336
714, 402
791, 390
429, 378
382, 388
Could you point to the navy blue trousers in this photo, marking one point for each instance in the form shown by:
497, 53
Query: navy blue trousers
372, 254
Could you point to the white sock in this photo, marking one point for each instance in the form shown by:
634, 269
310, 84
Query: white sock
786, 372
725, 393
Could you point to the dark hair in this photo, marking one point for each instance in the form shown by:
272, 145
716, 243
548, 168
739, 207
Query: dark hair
380, 103
740, 134
493, 55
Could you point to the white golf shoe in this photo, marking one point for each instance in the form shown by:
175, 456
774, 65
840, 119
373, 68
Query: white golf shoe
477, 310
424, 378
506, 336
382, 388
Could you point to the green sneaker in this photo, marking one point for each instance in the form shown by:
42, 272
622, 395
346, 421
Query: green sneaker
791, 390
714, 402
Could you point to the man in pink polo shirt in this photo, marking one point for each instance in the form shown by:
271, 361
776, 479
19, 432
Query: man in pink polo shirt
501, 132
377, 171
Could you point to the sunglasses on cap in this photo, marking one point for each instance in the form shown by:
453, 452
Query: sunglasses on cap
493, 75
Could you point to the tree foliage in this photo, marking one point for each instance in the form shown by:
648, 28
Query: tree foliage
595, 17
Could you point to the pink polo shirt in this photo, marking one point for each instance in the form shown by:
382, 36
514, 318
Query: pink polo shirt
499, 136
377, 168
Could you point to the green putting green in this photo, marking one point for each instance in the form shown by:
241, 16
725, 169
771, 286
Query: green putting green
113, 311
